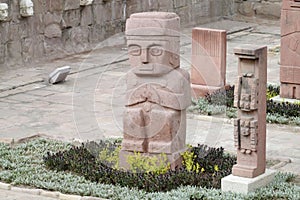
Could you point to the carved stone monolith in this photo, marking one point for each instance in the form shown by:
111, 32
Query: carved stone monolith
158, 90
250, 99
290, 50
208, 72
250, 172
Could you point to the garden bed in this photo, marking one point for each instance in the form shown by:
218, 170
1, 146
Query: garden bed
220, 103
24, 164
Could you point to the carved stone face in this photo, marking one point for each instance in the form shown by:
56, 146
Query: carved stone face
3, 11
86, 2
155, 56
26, 8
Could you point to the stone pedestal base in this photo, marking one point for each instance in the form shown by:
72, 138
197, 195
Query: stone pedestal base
246, 185
175, 159
202, 90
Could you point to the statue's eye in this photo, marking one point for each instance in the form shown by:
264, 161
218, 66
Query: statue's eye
156, 50
134, 50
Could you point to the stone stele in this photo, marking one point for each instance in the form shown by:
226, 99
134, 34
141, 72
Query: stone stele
250, 99
250, 172
290, 50
208, 72
158, 90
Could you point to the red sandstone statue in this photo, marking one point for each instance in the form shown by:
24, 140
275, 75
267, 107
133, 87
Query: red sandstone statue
158, 91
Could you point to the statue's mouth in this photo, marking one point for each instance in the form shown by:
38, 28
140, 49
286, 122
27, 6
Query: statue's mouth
146, 68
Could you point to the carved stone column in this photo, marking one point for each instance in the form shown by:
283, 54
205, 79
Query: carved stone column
250, 99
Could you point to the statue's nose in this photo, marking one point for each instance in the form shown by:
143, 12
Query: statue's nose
144, 56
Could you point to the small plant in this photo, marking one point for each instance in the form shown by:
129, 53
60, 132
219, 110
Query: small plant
272, 91
188, 162
110, 157
139, 163
231, 112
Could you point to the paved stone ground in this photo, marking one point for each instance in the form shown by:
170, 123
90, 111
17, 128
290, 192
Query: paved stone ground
88, 106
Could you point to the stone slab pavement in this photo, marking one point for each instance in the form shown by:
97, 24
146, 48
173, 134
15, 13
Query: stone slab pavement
89, 105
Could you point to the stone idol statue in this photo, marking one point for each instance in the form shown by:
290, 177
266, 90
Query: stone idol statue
158, 90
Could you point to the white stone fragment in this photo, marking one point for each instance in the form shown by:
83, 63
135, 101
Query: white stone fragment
59, 74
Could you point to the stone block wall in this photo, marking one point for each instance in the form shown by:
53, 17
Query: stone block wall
258, 9
63, 27
57, 28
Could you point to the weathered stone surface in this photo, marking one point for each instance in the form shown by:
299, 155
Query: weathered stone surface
52, 18
41, 7
17, 31
53, 47
39, 49
27, 49
268, 10
102, 17
4, 32
290, 51
77, 40
158, 91
36, 24
208, 57
255, 8
246, 8
53, 31
55, 5
250, 99
2, 53
71, 4
179, 3
14, 52
86, 16
71, 18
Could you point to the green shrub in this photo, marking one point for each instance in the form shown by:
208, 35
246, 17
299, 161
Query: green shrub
283, 108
